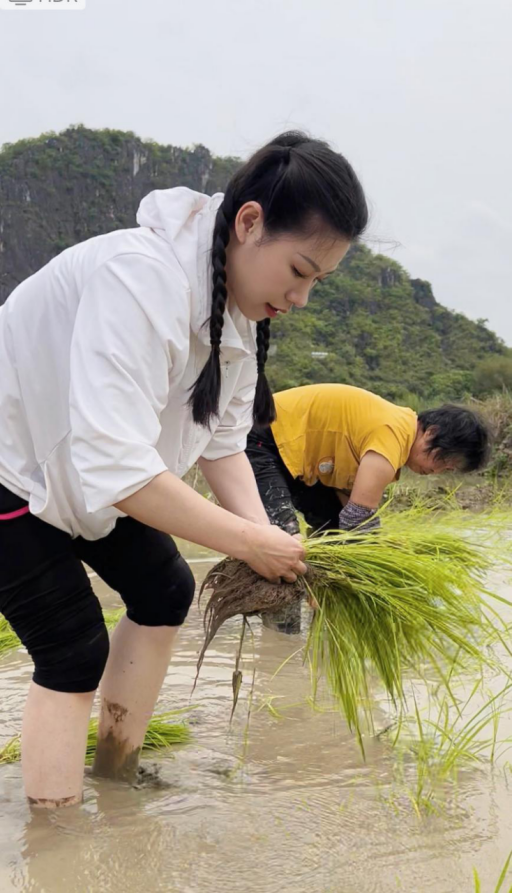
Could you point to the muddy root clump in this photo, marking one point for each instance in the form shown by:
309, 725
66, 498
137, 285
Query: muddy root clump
237, 589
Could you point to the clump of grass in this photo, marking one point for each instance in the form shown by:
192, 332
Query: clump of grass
112, 617
434, 742
409, 600
162, 732
9, 640
11, 752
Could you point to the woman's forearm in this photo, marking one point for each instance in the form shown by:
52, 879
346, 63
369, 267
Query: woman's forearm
167, 504
170, 505
233, 483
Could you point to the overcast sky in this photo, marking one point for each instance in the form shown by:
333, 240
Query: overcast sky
416, 93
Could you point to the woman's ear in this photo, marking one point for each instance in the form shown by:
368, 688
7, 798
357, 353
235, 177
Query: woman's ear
431, 432
249, 222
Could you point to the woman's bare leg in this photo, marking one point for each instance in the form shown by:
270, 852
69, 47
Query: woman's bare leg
53, 743
136, 668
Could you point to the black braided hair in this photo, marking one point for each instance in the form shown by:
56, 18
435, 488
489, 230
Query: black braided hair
206, 392
264, 410
303, 187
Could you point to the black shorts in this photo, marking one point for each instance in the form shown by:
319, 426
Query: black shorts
283, 495
47, 597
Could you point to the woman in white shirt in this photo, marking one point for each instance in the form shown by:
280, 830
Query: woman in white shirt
123, 361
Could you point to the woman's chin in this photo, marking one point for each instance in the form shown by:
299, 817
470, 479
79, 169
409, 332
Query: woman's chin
255, 315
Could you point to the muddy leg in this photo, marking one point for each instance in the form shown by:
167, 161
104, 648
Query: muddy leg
289, 619
116, 757
275, 485
137, 664
320, 507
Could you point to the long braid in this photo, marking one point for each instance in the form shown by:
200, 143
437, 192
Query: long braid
206, 392
264, 411
219, 291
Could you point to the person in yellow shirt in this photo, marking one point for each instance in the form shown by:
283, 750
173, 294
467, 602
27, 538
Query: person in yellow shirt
334, 448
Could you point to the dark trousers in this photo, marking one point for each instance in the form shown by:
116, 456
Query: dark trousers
47, 597
283, 495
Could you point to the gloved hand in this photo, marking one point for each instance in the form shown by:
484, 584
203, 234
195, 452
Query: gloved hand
359, 517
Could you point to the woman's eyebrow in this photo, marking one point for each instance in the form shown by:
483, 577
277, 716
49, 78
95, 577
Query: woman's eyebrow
315, 265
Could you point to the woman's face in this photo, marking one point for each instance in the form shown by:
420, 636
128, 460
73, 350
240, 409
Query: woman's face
268, 278
423, 461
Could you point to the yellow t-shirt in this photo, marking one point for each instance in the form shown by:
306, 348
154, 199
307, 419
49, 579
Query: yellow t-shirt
323, 431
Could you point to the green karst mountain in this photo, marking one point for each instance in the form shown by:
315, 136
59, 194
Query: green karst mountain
369, 325
372, 326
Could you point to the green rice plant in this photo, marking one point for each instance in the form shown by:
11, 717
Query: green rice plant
11, 752
9, 640
431, 745
499, 886
410, 600
162, 733
112, 617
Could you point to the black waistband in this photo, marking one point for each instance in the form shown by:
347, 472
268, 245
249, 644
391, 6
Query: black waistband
9, 502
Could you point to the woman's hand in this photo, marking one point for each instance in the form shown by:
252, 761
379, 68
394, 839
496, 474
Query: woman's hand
274, 554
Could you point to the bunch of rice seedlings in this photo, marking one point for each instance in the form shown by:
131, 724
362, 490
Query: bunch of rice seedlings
9, 640
411, 598
112, 617
162, 733
437, 740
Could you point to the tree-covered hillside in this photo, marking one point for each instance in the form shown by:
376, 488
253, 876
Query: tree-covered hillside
372, 326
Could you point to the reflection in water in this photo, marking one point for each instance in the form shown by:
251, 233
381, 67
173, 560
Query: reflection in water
285, 805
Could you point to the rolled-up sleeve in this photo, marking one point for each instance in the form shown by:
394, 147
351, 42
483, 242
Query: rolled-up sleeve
230, 436
388, 442
119, 377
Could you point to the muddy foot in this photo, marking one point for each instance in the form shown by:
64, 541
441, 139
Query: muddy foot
148, 776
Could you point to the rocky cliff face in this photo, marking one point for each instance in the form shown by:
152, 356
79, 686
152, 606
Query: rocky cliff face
422, 293
61, 189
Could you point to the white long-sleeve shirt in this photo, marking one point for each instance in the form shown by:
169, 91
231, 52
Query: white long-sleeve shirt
98, 352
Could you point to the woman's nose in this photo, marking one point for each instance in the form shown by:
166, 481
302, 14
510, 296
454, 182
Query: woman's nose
298, 298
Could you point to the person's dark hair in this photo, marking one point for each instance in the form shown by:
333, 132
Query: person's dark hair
303, 186
458, 433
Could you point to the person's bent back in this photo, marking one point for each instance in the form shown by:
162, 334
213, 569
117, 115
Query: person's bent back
334, 448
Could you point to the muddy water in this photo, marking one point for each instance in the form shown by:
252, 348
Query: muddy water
285, 804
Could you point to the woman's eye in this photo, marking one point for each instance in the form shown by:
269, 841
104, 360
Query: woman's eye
296, 273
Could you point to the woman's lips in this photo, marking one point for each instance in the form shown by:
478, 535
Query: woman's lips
273, 311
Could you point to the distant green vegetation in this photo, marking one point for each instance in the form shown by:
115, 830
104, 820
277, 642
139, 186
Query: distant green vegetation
373, 327
493, 375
